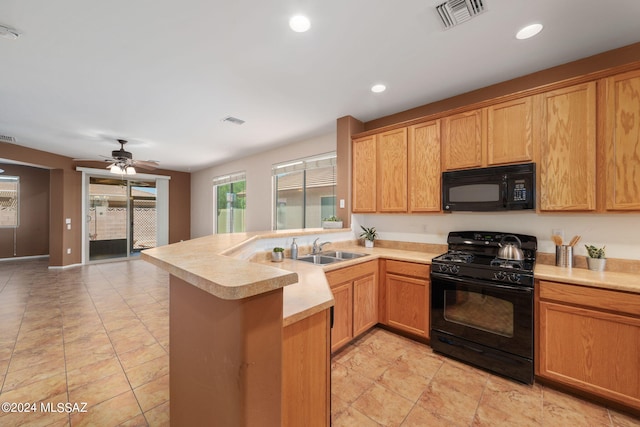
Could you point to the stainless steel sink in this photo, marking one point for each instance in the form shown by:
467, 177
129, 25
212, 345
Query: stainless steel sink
343, 255
318, 259
329, 257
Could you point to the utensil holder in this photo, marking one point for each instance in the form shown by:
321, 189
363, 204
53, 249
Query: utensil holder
564, 256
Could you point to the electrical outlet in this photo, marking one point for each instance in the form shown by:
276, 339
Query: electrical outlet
68, 251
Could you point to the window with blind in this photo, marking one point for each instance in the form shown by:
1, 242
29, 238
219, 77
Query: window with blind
305, 192
230, 198
9, 201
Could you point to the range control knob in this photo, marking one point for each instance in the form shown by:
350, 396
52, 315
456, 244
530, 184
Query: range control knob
455, 269
514, 278
500, 275
443, 267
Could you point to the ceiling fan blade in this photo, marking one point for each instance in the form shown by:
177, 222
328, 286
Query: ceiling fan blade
145, 164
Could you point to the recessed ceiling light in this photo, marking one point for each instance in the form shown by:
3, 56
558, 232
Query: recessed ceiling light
529, 31
8, 33
299, 23
378, 88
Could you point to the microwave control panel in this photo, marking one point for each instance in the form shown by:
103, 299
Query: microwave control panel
520, 191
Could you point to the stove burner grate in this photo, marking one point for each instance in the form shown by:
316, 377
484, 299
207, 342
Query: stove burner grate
507, 263
458, 256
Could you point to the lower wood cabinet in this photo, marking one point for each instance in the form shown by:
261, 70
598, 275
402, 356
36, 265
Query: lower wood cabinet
306, 371
407, 297
355, 291
589, 339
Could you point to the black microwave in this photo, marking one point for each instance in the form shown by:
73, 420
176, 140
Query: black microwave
500, 188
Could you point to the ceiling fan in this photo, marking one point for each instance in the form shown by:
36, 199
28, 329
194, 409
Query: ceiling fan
122, 161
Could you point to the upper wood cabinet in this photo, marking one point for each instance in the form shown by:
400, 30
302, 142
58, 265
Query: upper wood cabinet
568, 149
495, 135
364, 174
622, 142
424, 167
392, 171
462, 140
510, 132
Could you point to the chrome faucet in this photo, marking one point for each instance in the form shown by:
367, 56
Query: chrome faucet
317, 247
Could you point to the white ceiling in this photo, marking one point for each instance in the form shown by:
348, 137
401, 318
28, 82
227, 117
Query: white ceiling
164, 73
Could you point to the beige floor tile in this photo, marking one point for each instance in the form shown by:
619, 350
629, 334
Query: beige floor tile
366, 364
453, 404
92, 372
148, 371
31, 374
96, 392
138, 421
400, 379
53, 356
348, 384
421, 417
351, 417
111, 412
37, 391
563, 409
383, 406
153, 393
37, 418
158, 416
141, 355
620, 419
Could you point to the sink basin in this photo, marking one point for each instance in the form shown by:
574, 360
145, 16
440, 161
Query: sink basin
343, 255
318, 259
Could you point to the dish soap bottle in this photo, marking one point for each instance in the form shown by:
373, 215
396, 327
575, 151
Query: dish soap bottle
294, 249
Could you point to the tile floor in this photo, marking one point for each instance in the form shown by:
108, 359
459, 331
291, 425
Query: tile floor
383, 379
99, 334
96, 334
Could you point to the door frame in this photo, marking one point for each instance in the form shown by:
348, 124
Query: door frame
162, 206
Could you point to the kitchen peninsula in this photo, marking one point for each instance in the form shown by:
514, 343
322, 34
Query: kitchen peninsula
227, 342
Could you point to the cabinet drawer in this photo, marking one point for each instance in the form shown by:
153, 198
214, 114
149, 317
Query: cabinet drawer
408, 269
603, 299
347, 274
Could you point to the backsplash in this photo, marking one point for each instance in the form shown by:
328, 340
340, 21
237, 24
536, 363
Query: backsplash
620, 233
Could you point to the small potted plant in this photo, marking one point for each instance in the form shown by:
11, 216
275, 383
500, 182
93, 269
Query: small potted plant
596, 259
369, 235
331, 222
277, 255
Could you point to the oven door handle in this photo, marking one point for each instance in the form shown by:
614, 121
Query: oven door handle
465, 281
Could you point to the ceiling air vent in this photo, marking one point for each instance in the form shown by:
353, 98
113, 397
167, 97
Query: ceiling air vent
5, 138
234, 120
454, 12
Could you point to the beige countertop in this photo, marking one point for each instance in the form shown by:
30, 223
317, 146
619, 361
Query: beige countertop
209, 264
628, 282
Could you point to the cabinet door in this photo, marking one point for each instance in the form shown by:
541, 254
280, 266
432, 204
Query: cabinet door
342, 331
568, 149
462, 140
364, 174
392, 171
622, 142
424, 167
591, 350
408, 304
510, 132
365, 303
306, 389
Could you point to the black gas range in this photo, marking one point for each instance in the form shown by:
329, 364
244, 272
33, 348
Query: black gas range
474, 254
482, 305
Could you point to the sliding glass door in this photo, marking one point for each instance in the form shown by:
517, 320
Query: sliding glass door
121, 217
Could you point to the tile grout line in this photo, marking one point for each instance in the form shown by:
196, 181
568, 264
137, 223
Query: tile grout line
112, 346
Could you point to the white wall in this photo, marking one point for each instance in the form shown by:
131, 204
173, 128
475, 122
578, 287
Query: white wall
258, 216
619, 232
